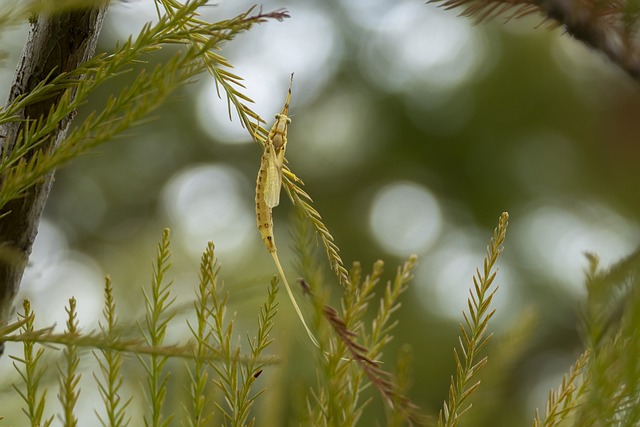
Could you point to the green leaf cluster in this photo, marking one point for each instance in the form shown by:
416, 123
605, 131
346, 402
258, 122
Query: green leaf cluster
178, 25
213, 359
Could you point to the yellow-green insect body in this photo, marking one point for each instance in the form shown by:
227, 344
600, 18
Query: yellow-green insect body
269, 181
264, 216
278, 132
268, 186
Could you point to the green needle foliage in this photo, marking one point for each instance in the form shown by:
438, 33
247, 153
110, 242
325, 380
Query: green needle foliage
200, 390
350, 346
28, 366
354, 327
473, 333
70, 377
562, 402
303, 201
157, 303
611, 321
179, 25
602, 388
214, 360
110, 367
235, 375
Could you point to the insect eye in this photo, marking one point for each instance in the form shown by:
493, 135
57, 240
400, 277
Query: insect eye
277, 116
288, 120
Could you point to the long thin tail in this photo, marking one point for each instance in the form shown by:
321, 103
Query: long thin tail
293, 300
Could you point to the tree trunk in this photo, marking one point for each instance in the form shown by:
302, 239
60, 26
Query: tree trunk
56, 43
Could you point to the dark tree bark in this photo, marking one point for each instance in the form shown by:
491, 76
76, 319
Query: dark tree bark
56, 43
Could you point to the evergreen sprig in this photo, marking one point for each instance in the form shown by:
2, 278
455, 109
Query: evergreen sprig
109, 344
22, 167
603, 386
473, 335
203, 334
337, 400
69, 377
403, 380
564, 401
157, 302
234, 378
31, 373
235, 374
348, 364
300, 198
376, 337
611, 321
110, 365
219, 67
250, 372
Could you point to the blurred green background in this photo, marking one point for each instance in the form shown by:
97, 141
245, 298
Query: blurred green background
413, 129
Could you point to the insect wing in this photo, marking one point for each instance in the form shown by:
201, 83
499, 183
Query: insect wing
273, 181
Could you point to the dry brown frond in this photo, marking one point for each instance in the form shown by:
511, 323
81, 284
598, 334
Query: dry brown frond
608, 26
380, 378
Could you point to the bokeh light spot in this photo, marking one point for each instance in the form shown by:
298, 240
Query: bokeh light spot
343, 131
543, 373
265, 57
418, 44
55, 274
206, 202
125, 19
557, 237
405, 218
446, 276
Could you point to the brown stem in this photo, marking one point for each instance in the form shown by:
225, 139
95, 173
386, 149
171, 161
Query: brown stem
602, 30
56, 43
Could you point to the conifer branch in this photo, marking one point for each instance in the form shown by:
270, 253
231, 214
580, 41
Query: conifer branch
110, 385
474, 336
562, 402
609, 27
250, 372
35, 120
31, 372
611, 321
69, 378
57, 43
203, 334
382, 325
219, 67
236, 376
97, 341
234, 380
380, 379
300, 199
403, 381
157, 302
340, 403
609, 292
338, 400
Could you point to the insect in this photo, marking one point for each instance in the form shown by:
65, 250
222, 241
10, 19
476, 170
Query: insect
269, 182
268, 186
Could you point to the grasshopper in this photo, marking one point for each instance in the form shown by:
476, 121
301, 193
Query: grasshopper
268, 186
